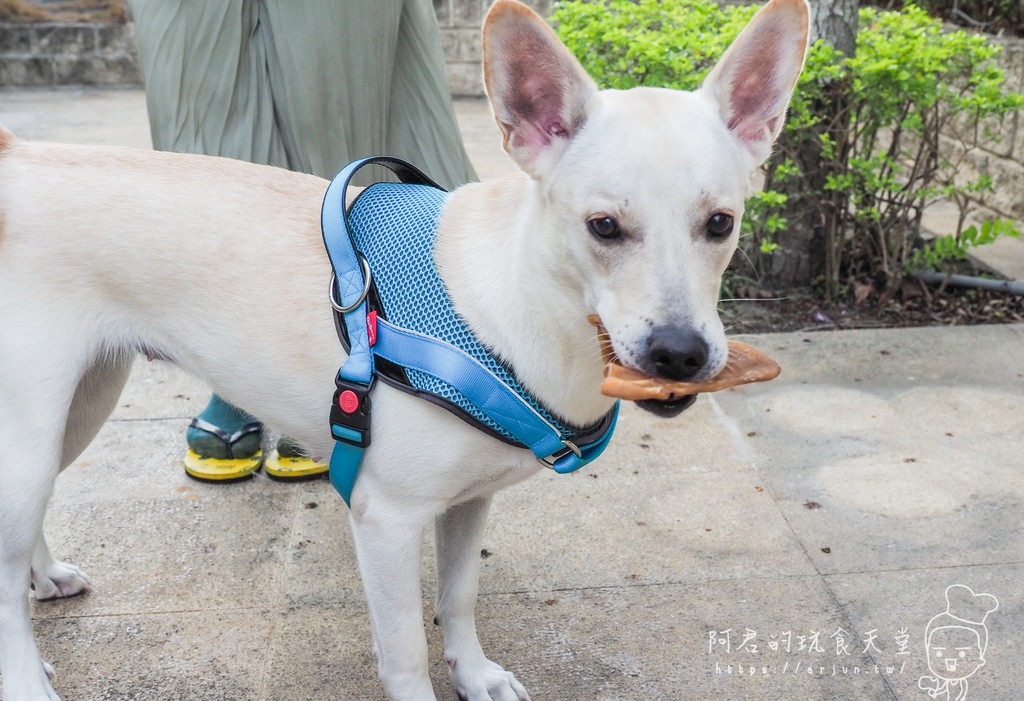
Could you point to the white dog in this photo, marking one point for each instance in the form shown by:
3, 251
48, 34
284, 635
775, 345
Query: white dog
628, 207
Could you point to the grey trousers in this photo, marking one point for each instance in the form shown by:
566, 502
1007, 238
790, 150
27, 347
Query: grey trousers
307, 85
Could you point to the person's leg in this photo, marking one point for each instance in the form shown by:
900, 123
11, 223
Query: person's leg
204, 65
330, 73
422, 127
325, 117
208, 91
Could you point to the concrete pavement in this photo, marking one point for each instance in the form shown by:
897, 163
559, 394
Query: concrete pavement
790, 540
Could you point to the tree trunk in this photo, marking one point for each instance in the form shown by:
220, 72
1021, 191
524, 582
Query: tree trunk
835, 21
807, 251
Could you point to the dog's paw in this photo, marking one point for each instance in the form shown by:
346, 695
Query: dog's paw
58, 581
37, 685
486, 681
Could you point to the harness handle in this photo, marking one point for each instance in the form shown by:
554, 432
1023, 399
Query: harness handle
333, 209
352, 277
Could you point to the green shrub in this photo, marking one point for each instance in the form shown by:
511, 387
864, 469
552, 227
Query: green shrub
939, 253
909, 83
624, 44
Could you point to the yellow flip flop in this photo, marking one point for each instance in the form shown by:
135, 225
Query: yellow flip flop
285, 468
229, 469
289, 463
221, 469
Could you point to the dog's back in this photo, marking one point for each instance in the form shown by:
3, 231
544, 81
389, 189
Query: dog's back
106, 251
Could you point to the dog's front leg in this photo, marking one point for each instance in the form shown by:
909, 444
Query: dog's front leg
388, 548
459, 534
26, 482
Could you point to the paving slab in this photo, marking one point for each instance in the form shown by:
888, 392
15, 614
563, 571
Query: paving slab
884, 430
786, 540
77, 115
189, 551
196, 655
899, 605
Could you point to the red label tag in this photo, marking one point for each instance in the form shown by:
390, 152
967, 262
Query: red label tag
371, 327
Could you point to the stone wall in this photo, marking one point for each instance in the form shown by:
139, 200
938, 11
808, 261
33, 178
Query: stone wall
1001, 157
460, 22
51, 53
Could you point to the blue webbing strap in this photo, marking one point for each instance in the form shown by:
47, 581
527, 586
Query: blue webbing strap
356, 375
350, 410
480, 386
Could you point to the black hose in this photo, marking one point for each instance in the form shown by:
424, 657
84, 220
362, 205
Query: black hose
932, 277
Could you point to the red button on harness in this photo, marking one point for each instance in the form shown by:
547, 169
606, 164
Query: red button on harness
348, 401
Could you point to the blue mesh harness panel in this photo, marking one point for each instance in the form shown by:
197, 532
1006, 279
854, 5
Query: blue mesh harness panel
394, 225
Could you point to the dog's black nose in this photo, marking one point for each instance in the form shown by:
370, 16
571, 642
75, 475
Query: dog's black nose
676, 354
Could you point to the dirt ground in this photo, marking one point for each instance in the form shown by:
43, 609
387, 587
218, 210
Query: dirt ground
915, 305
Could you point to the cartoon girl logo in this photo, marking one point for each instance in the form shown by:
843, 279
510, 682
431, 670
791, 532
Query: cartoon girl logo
955, 641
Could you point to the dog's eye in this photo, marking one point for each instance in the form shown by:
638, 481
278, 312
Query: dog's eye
604, 228
720, 225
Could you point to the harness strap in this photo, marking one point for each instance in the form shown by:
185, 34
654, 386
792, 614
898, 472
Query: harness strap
350, 410
492, 396
355, 378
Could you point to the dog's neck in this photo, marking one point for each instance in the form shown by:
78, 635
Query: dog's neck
506, 278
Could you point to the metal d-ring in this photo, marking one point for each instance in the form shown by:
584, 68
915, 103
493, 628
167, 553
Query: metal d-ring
367, 281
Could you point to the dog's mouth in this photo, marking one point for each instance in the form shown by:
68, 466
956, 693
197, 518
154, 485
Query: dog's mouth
745, 364
668, 408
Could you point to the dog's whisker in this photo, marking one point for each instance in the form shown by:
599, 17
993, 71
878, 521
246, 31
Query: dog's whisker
750, 261
586, 354
753, 299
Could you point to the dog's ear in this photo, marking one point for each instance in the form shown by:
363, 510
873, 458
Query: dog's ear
754, 79
538, 90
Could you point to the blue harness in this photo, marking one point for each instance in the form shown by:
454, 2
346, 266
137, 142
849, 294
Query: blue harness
398, 324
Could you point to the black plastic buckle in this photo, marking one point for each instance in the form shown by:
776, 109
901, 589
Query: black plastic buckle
350, 412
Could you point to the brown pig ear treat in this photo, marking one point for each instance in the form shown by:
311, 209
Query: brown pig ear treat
744, 365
